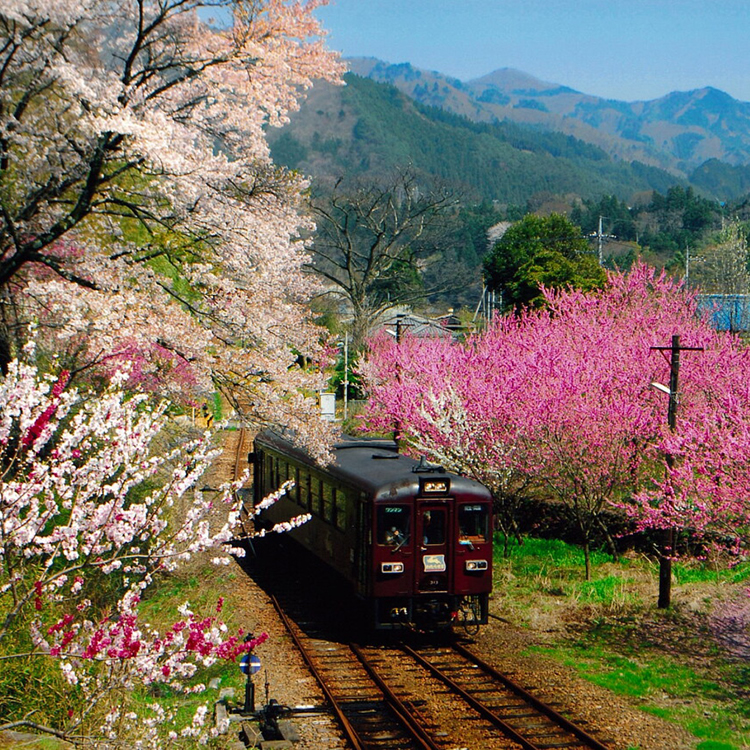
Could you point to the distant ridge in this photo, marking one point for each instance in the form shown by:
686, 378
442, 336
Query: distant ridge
510, 78
370, 128
678, 132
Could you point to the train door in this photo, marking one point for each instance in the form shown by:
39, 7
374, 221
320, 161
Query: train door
433, 566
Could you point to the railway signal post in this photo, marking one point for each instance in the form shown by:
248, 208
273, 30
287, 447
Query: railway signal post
250, 665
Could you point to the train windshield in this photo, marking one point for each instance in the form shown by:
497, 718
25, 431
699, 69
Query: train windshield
394, 522
433, 531
473, 524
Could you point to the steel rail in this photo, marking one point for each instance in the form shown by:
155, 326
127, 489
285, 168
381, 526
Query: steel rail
413, 727
240, 453
349, 730
480, 708
490, 715
550, 712
239, 457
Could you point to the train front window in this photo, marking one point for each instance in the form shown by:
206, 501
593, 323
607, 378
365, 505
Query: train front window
433, 527
394, 523
473, 524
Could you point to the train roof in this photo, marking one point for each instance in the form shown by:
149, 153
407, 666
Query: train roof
374, 465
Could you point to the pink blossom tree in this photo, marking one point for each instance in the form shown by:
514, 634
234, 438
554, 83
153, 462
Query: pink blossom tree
87, 506
456, 404
142, 218
559, 401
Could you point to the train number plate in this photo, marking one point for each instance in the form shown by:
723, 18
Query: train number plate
434, 563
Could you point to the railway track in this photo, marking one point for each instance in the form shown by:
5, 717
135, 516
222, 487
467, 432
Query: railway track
429, 697
495, 699
241, 451
241, 445
365, 716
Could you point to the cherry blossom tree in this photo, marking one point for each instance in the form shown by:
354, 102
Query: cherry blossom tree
87, 506
558, 400
141, 217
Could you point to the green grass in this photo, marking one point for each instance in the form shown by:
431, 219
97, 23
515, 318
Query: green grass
201, 588
701, 705
662, 661
709, 572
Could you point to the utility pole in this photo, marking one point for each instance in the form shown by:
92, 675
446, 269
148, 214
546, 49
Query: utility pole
397, 422
668, 542
600, 237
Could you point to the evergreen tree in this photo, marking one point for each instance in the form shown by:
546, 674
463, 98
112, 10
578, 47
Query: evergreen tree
539, 252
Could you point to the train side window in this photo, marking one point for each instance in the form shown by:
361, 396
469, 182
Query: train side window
393, 524
315, 496
433, 527
328, 507
268, 485
339, 499
259, 469
304, 488
294, 473
473, 523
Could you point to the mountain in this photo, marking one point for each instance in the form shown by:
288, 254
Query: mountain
677, 132
372, 128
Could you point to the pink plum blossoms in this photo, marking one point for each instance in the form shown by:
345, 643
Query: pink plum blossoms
558, 402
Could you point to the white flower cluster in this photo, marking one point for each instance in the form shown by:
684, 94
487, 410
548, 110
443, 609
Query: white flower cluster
71, 507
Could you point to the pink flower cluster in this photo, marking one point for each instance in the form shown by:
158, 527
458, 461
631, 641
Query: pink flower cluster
559, 400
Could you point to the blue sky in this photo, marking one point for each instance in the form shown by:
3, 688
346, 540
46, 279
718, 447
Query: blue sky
618, 49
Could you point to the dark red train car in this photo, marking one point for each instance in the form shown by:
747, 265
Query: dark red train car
412, 541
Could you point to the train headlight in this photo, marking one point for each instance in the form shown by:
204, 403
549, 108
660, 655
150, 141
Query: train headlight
476, 565
392, 567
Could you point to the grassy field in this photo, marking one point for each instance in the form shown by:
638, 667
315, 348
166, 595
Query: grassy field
689, 664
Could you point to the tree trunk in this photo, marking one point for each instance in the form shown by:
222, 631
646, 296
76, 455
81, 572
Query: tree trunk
587, 558
665, 570
610, 541
5, 351
584, 526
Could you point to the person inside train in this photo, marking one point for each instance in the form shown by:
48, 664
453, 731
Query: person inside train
394, 535
433, 527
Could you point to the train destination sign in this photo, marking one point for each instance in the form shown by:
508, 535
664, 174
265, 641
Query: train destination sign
434, 563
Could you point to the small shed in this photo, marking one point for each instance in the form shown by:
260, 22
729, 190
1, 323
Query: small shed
726, 312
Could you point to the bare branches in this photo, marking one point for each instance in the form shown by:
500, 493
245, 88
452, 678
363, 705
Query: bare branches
373, 242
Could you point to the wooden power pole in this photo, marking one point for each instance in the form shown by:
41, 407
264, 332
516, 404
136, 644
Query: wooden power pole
668, 543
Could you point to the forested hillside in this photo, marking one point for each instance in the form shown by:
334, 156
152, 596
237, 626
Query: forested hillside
678, 132
369, 128
500, 171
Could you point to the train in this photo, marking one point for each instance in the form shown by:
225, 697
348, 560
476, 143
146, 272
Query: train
411, 541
